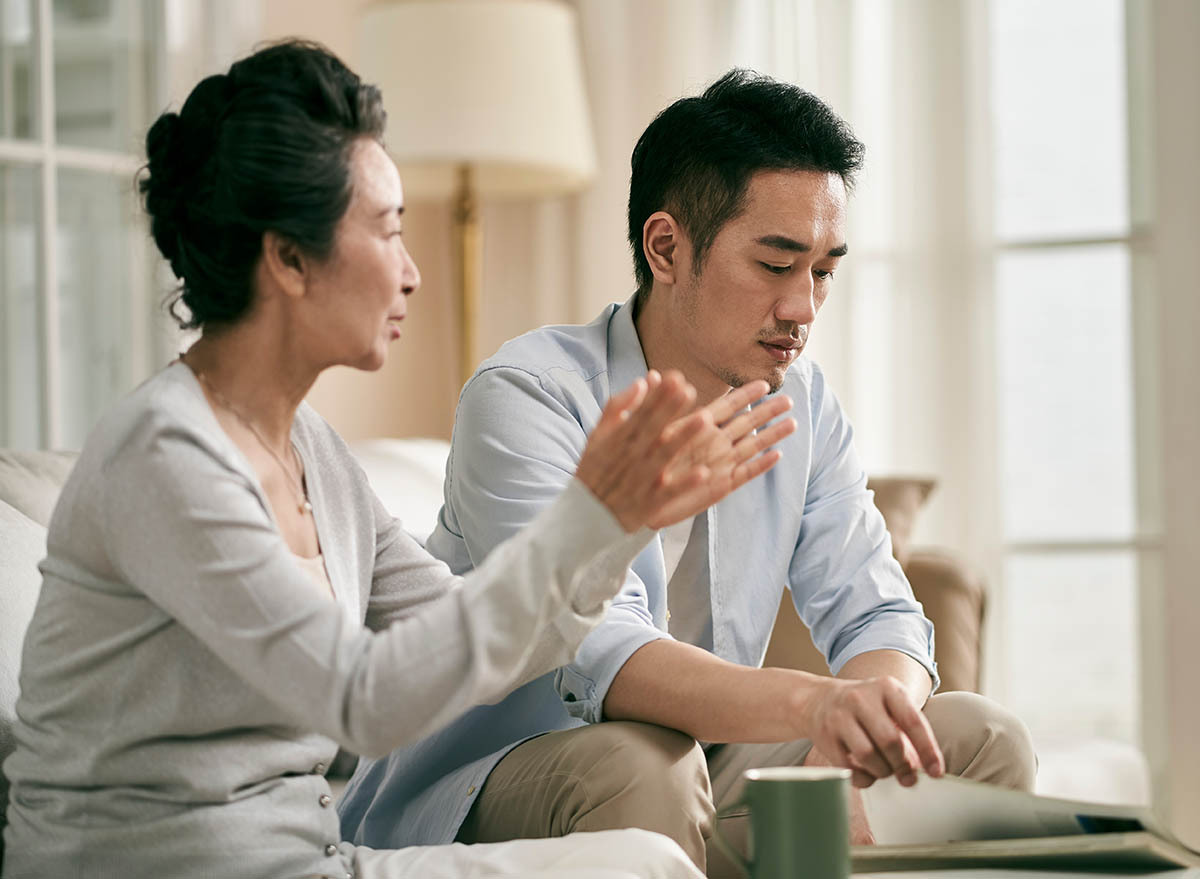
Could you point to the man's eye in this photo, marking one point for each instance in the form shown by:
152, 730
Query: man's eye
776, 270
823, 274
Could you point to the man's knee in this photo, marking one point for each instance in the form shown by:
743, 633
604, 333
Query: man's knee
982, 740
652, 763
649, 777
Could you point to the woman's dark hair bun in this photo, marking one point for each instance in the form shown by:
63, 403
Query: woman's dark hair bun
160, 186
265, 147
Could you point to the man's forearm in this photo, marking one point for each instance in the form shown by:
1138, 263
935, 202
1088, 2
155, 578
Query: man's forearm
689, 689
913, 676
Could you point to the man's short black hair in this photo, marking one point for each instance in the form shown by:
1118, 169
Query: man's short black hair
696, 158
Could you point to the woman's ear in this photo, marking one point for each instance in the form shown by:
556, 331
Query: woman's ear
285, 264
661, 243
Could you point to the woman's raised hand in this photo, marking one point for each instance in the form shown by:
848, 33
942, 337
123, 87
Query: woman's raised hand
654, 460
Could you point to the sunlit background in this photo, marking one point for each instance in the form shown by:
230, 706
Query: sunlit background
1014, 318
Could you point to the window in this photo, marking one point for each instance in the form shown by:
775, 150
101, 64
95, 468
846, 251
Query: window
1064, 342
78, 86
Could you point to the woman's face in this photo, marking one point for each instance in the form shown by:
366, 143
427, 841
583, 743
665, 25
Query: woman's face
358, 296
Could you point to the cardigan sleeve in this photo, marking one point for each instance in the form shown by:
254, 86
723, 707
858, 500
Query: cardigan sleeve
193, 535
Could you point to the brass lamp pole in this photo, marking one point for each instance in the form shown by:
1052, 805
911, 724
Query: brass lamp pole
487, 100
468, 255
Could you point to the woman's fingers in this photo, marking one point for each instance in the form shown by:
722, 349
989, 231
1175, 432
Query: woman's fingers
665, 401
743, 473
651, 462
749, 446
620, 405
725, 407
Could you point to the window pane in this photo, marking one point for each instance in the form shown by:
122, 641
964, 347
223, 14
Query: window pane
1058, 104
1065, 393
103, 57
20, 348
99, 252
16, 69
1071, 624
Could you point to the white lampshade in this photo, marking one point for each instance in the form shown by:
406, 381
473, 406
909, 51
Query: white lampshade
496, 84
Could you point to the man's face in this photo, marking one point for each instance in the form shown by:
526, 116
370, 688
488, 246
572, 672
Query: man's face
748, 313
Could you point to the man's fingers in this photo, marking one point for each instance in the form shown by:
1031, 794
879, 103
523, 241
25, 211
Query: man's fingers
912, 723
858, 778
891, 742
863, 753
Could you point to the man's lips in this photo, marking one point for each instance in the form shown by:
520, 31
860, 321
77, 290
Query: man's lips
393, 322
783, 349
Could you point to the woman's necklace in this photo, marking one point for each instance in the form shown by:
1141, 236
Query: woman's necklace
302, 505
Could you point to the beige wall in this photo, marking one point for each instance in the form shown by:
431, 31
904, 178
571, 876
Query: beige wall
415, 393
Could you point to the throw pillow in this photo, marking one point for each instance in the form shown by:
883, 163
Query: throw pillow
22, 547
31, 481
899, 498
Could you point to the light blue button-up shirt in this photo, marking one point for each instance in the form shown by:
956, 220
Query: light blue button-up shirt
809, 525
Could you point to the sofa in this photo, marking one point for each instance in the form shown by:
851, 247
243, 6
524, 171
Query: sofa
407, 475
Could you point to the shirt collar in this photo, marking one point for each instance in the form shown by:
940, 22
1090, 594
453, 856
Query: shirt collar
626, 361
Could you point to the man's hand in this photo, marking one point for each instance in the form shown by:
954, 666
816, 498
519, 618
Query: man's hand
873, 728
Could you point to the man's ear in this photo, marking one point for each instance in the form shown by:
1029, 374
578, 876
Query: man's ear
285, 264
661, 241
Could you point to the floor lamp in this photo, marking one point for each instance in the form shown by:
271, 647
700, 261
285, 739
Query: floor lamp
485, 98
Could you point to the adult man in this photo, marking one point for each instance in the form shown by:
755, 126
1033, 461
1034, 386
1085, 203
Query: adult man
737, 222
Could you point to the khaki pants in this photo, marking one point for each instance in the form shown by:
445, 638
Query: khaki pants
623, 774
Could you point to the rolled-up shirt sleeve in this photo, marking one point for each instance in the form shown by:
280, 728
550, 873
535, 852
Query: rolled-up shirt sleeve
517, 442
848, 588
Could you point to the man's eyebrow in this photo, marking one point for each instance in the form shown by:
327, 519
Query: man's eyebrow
782, 242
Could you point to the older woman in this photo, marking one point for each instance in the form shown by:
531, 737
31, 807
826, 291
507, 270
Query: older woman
224, 599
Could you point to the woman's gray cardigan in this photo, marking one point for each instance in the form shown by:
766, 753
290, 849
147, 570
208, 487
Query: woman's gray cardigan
184, 686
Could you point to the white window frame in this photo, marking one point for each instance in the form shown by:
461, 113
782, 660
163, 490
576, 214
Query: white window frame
49, 158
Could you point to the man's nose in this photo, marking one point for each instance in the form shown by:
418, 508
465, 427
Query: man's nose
798, 305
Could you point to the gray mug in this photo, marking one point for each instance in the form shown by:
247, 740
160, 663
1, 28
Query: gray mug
799, 823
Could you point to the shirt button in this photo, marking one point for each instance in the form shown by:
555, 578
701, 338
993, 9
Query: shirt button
325, 800
331, 849
319, 769
470, 790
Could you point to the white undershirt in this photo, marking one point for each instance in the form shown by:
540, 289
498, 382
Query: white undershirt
689, 603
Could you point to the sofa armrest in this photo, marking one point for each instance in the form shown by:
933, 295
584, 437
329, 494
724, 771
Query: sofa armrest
954, 599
